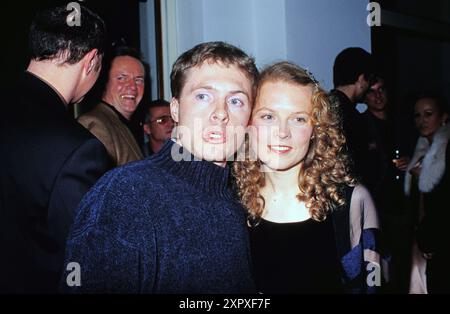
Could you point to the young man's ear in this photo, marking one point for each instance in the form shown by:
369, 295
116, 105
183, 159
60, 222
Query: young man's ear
92, 61
361, 79
174, 109
444, 118
146, 129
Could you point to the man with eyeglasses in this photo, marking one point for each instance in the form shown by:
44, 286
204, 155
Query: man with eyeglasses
158, 126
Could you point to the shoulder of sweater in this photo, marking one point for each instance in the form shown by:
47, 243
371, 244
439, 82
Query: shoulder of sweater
119, 203
140, 174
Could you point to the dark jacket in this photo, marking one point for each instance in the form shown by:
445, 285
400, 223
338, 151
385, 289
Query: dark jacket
434, 185
432, 236
49, 162
354, 130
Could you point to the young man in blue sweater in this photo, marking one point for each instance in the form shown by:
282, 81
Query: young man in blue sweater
171, 223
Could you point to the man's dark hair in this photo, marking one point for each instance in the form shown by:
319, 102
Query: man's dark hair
122, 51
154, 104
96, 93
51, 36
110, 55
213, 52
349, 64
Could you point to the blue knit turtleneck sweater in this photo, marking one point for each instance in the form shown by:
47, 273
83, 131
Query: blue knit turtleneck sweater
161, 226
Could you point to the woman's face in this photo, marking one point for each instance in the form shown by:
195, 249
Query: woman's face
427, 117
281, 125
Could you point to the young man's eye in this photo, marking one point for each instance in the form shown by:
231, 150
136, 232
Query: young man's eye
236, 102
202, 97
267, 116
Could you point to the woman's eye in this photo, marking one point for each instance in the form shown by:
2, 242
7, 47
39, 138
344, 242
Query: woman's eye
300, 120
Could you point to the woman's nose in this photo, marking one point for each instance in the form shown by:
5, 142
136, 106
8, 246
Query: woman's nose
283, 131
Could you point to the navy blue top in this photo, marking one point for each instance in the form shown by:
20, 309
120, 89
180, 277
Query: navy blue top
298, 257
161, 226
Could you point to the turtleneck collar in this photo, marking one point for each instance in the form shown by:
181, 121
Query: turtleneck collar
202, 174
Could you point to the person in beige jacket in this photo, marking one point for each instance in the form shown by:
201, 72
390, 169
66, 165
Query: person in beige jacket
110, 118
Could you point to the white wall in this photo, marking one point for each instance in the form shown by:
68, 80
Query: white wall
148, 41
317, 30
253, 25
308, 32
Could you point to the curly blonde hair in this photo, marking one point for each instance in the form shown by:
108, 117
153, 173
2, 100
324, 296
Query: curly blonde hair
326, 167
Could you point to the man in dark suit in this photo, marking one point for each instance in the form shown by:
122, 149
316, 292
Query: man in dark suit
352, 74
48, 160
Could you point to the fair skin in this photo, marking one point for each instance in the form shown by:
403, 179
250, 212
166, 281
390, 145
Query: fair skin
125, 86
159, 128
355, 92
377, 103
70, 81
212, 111
280, 134
428, 120
376, 100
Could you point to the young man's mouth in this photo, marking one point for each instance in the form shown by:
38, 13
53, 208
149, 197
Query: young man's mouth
215, 137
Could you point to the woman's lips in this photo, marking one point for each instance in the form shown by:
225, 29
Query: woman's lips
280, 149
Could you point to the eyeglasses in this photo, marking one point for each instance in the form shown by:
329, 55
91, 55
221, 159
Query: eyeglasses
162, 120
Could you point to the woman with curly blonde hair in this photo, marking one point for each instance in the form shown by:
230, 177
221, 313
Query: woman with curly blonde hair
313, 228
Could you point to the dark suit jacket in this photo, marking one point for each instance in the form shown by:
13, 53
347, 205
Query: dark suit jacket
49, 162
355, 132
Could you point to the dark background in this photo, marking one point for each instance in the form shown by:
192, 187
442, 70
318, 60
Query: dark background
411, 60
121, 17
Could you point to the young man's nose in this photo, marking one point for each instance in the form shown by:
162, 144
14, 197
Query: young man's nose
220, 114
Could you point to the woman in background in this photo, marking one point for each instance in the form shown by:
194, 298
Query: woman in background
427, 182
313, 228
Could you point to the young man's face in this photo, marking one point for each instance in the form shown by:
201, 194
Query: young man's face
213, 111
160, 126
376, 97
